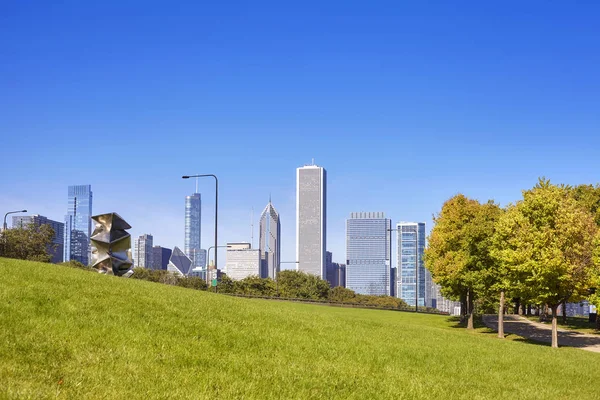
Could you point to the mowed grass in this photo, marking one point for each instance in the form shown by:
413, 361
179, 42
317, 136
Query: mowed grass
67, 333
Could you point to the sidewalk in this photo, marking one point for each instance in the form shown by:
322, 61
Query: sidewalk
543, 333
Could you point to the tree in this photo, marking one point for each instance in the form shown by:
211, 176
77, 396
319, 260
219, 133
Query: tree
256, 286
31, 243
300, 285
458, 254
545, 244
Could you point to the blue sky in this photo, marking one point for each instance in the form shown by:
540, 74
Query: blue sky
404, 103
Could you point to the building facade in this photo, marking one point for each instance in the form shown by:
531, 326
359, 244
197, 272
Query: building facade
368, 253
311, 220
242, 261
78, 224
56, 250
179, 263
143, 251
411, 268
193, 220
160, 257
269, 242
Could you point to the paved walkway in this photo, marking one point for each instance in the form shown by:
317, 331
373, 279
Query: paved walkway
543, 333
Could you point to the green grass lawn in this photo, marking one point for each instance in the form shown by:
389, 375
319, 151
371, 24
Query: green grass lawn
579, 324
68, 333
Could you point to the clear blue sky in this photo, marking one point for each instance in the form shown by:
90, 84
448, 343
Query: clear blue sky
404, 103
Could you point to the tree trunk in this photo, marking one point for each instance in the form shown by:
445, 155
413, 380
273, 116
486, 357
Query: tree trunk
564, 312
501, 316
517, 305
528, 309
463, 309
554, 326
470, 309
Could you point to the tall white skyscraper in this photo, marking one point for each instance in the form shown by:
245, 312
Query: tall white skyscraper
311, 219
193, 219
411, 268
368, 253
269, 241
143, 251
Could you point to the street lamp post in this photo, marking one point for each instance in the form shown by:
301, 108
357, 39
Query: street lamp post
10, 212
208, 258
398, 256
216, 208
279, 269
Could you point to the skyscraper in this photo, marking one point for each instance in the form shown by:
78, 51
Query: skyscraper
411, 246
56, 250
311, 219
143, 251
368, 253
191, 245
269, 241
78, 224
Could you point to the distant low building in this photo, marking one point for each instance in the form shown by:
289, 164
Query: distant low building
242, 261
57, 248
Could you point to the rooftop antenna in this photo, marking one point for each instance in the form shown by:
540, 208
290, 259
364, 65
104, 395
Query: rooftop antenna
196, 185
252, 228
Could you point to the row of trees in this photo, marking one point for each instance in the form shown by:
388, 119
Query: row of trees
542, 250
289, 285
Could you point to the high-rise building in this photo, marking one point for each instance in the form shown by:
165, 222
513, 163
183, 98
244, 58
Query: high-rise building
160, 257
143, 251
78, 224
335, 273
242, 261
368, 253
269, 241
191, 245
411, 246
311, 219
56, 250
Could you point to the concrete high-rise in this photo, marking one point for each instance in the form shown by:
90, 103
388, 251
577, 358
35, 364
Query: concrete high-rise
78, 224
56, 250
368, 253
411, 246
143, 251
269, 242
193, 219
242, 261
311, 220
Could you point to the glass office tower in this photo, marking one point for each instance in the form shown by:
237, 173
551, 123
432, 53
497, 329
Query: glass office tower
411, 246
191, 245
368, 253
78, 224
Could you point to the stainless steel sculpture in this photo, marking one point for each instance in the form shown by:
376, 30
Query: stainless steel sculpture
111, 245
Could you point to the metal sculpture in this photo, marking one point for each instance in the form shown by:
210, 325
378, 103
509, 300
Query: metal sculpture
111, 245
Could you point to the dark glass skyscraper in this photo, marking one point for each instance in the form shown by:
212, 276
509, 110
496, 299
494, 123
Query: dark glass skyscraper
78, 224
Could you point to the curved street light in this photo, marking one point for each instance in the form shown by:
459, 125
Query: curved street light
11, 212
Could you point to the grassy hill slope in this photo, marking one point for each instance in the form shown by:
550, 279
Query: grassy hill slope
69, 333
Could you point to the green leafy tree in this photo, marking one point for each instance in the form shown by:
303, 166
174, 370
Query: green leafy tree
31, 243
226, 285
458, 254
300, 285
545, 244
255, 286
340, 294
